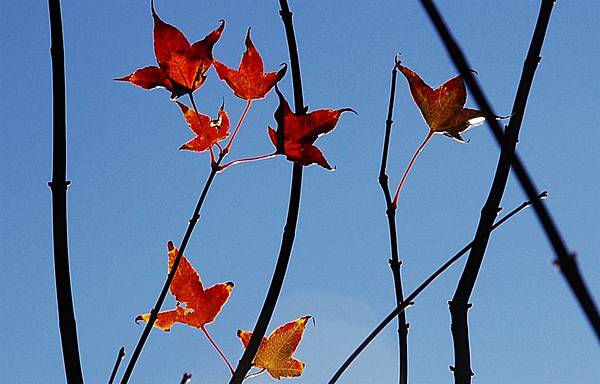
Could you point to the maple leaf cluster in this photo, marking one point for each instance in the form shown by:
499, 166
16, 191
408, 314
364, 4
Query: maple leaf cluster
182, 69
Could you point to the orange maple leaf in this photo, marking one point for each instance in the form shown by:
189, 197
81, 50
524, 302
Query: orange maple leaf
443, 107
299, 132
275, 352
249, 82
196, 306
181, 66
208, 132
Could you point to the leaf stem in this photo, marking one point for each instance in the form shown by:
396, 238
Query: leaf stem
565, 260
459, 305
161, 298
247, 160
58, 186
254, 374
394, 262
115, 369
217, 348
239, 124
289, 232
412, 161
410, 299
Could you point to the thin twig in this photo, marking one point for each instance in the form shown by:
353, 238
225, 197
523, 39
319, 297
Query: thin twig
460, 305
394, 261
237, 128
217, 348
186, 379
165, 289
566, 261
58, 186
410, 299
289, 232
115, 369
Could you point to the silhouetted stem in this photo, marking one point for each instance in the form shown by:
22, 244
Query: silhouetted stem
217, 348
566, 261
412, 161
289, 231
247, 160
460, 305
187, 378
165, 289
394, 261
115, 369
410, 299
239, 124
64, 298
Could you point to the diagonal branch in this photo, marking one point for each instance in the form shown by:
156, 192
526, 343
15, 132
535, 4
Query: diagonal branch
566, 261
395, 262
289, 232
163, 293
64, 298
460, 302
409, 300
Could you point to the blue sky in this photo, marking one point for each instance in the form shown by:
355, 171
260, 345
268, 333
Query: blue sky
132, 191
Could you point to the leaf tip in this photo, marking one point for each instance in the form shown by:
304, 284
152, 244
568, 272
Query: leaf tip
170, 246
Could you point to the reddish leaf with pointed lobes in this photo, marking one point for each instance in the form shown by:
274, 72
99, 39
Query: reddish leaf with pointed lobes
249, 82
201, 305
443, 107
275, 352
301, 131
181, 66
208, 132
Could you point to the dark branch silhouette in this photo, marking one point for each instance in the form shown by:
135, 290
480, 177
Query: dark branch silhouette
566, 261
395, 262
460, 305
410, 299
64, 298
289, 232
165, 288
115, 369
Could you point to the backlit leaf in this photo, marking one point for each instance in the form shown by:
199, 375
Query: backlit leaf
196, 306
443, 107
181, 66
249, 82
301, 131
208, 132
275, 352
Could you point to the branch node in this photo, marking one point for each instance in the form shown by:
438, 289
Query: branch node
395, 265
459, 305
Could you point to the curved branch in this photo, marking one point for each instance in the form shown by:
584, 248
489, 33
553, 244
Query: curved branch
289, 232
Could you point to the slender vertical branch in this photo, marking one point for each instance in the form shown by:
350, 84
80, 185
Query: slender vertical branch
566, 261
58, 186
289, 232
115, 369
394, 261
459, 305
163, 293
410, 299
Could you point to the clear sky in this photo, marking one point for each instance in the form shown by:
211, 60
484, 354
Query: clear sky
132, 191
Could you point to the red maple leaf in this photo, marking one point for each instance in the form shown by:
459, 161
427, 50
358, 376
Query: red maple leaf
299, 132
181, 66
249, 82
208, 132
196, 306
